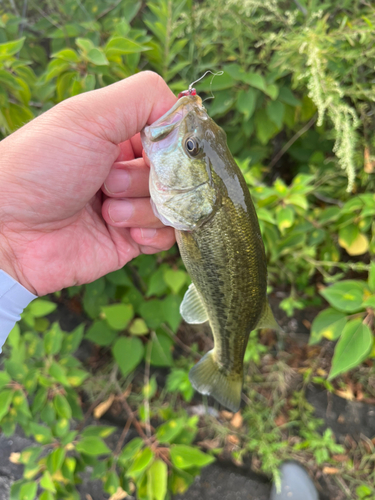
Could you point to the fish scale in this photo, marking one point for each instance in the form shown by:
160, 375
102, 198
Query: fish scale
218, 235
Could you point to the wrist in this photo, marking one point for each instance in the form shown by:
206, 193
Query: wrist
8, 265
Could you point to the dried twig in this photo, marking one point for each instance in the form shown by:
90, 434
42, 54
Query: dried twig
296, 136
179, 342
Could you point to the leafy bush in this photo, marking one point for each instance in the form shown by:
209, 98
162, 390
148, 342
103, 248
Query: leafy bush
296, 100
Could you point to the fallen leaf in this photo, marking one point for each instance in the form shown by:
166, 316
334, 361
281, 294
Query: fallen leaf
341, 419
104, 406
232, 439
226, 415
306, 323
237, 420
340, 458
330, 470
321, 372
280, 420
369, 164
14, 458
119, 495
346, 394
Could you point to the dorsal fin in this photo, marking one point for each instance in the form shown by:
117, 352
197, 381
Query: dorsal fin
192, 308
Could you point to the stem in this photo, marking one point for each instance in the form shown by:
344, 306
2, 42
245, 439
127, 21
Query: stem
292, 141
343, 265
129, 411
167, 40
146, 383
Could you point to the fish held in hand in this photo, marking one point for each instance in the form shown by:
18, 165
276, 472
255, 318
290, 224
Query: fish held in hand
197, 188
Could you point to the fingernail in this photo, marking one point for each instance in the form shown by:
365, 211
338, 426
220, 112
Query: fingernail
117, 181
148, 233
120, 211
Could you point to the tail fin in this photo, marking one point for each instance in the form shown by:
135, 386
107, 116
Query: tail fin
206, 378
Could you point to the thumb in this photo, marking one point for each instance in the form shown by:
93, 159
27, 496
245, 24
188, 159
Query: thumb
117, 112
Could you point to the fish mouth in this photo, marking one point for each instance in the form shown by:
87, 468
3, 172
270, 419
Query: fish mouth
160, 129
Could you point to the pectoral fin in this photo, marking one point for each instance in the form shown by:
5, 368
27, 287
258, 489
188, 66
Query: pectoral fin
192, 308
267, 319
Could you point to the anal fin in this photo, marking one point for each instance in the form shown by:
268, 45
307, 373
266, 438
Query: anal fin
267, 319
192, 308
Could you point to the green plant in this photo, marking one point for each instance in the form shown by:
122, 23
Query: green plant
349, 319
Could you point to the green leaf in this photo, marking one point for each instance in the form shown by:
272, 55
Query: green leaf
265, 128
55, 460
53, 339
346, 296
185, 457
62, 407
221, 82
41, 307
97, 57
175, 279
347, 235
112, 483
130, 450
9, 80
287, 97
69, 55
76, 376
272, 91
6, 397
4, 379
84, 44
353, 347
118, 315
119, 278
100, 333
11, 48
171, 311
152, 312
47, 495
128, 353
168, 431
46, 482
157, 478
329, 324
141, 462
275, 111
42, 434
285, 218
93, 446
58, 373
371, 277
246, 102
157, 285
120, 46
370, 302
72, 340
102, 431
299, 200
28, 491
255, 80
161, 350
138, 327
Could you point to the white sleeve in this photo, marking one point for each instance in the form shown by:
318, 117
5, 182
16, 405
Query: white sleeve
13, 299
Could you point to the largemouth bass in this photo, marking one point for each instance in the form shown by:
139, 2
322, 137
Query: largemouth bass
197, 188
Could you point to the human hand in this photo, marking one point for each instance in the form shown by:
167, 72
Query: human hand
74, 199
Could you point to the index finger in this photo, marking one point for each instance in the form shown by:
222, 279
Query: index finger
117, 112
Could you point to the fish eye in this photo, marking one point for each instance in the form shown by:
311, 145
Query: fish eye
192, 146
